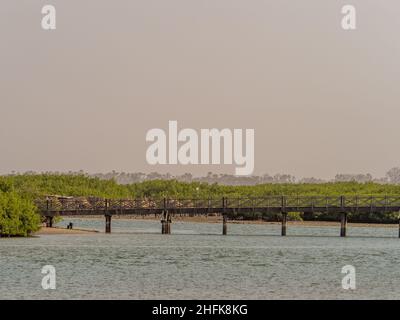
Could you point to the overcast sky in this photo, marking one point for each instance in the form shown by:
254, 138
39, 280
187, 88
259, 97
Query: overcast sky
321, 100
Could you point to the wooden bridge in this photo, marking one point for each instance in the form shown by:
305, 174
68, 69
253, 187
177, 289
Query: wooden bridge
227, 207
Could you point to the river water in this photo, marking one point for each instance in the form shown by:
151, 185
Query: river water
197, 262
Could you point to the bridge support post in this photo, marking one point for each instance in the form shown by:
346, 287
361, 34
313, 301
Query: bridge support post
399, 228
166, 223
169, 220
108, 223
343, 224
163, 223
224, 225
49, 222
284, 223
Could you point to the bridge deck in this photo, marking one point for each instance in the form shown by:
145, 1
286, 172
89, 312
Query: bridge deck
342, 205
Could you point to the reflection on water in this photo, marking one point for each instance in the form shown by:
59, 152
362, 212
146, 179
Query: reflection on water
196, 262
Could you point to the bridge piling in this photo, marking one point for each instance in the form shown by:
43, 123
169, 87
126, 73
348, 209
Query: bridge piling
284, 223
163, 226
224, 225
165, 223
168, 224
343, 224
49, 222
108, 223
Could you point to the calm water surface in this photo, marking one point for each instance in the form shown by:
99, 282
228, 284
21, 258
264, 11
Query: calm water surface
196, 262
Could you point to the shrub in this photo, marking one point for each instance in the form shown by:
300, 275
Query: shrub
18, 216
294, 216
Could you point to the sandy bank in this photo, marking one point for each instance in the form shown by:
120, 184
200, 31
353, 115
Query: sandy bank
58, 230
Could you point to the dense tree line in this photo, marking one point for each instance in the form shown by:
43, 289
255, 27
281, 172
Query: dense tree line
391, 177
35, 185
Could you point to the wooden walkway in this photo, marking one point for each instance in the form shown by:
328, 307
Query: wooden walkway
227, 207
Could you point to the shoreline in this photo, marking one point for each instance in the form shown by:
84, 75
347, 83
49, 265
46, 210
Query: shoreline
59, 230
218, 219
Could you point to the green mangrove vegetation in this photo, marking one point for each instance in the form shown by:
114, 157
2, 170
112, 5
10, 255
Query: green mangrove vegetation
18, 216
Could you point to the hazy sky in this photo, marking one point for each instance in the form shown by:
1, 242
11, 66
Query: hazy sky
321, 100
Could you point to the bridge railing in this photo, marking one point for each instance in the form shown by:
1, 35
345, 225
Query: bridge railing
284, 201
83, 204
372, 201
126, 204
194, 203
314, 201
